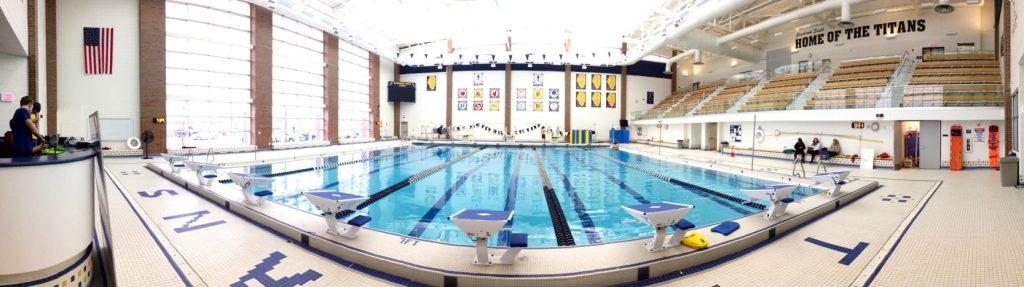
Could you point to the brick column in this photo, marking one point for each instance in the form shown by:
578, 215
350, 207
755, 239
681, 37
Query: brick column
331, 87
374, 96
33, 51
153, 71
448, 99
508, 97
623, 100
397, 106
262, 77
570, 97
1008, 137
51, 66
674, 74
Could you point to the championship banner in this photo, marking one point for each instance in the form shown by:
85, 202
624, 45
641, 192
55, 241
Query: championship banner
463, 105
554, 94
553, 106
581, 81
595, 81
581, 99
538, 106
478, 105
595, 99
495, 93
610, 83
650, 97
538, 93
538, 79
478, 79
609, 100
521, 93
520, 106
495, 106
478, 93
431, 83
463, 93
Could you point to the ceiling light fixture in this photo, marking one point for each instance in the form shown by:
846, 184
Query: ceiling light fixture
943, 7
844, 16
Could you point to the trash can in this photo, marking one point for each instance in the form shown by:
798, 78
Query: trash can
1008, 170
681, 144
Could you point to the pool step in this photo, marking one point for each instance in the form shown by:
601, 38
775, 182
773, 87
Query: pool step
333, 165
686, 184
563, 235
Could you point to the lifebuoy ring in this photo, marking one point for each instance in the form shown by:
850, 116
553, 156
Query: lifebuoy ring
759, 134
134, 143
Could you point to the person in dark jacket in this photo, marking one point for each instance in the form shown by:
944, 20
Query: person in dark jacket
798, 149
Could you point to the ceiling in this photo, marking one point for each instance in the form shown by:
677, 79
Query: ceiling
423, 32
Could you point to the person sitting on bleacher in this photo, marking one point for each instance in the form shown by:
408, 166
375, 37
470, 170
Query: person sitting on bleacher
834, 149
814, 148
798, 149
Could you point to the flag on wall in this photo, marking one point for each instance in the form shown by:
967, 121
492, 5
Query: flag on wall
99, 50
478, 105
554, 94
581, 81
495, 93
521, 93
610, 83
553, 106
595, 99
520, 106
581, 99
609, 100
462, 93
595, 82
495, 106
538, 106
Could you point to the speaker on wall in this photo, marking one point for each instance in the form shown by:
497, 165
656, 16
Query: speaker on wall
623, 123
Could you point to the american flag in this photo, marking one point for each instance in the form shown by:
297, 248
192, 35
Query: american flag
99, 50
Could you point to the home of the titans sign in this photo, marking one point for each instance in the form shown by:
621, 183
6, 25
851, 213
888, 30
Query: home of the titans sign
818, 36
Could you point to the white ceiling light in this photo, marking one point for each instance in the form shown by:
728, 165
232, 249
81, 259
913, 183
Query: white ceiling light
844, 16
944, 7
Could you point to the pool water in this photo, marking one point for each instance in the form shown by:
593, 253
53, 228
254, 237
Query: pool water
590, 190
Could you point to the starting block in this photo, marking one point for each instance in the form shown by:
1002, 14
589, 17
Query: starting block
176, 162
205, 172
249, 183
835, 179
482, 224
332, 203
777, 196
661, 215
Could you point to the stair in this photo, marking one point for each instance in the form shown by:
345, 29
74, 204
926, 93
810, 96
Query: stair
706, 98
892, 94
746, 97
800, 102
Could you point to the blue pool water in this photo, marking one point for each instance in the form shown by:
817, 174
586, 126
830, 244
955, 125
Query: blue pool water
589, 186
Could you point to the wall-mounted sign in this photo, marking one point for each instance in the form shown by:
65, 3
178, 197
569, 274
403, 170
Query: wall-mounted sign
857, 125
7, 97
818, 35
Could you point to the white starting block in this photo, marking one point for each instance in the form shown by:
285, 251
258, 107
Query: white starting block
176, 162
249, 182
661, 215
835, 179
777, 196
205, 172
482, 224
332, 203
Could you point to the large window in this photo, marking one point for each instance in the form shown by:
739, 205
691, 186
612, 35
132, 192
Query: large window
208, 73
298, 81
353, 92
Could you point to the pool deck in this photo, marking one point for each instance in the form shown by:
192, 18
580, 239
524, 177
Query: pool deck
207, 256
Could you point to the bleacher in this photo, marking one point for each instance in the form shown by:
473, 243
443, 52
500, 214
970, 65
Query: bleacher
663, 105
778, 93
955, 80
732, 93
855, 84
682, 107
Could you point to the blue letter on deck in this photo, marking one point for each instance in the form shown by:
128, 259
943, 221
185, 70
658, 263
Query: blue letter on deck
259, 273
195, 217
851, 254
158, 193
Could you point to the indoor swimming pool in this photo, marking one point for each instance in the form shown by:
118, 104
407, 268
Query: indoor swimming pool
581, 206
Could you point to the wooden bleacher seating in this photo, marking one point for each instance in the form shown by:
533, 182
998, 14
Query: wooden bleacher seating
727, 97
778, 93
855, 84
955, 80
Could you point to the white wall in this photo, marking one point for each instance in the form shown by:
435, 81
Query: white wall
599, 119
15, 18
965, 25
546, 117
13, 79
387, 112
824, 131
429, 108
493, 119
114, 96
636, 93
978, 156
